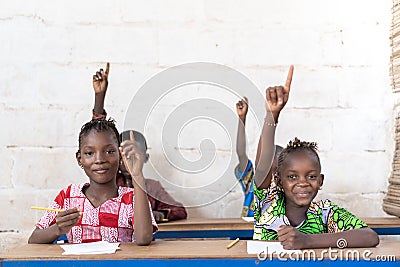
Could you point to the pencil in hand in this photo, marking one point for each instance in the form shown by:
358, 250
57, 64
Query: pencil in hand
42, 208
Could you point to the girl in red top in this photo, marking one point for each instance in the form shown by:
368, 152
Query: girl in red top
101, 210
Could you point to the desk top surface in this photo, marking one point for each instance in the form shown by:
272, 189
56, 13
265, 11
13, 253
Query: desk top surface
172, 249
240, 224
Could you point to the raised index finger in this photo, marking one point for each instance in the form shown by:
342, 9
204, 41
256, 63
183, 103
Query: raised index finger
132, 137
289, 79
107, 68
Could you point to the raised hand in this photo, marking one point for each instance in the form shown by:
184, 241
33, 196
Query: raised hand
65, 220
277, 96
131, 156
242, 107
291, 238
100, 80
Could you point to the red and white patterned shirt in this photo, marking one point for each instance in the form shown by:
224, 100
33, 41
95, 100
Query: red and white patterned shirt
112, 221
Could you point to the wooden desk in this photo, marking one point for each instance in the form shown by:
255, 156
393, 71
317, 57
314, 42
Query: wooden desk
192, 253
236, 227
383, 225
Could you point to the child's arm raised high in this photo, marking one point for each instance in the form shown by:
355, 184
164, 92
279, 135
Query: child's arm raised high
100, 84
241, 109
276, 99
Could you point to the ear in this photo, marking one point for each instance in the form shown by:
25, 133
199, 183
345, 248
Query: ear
146, 158
78, 157
278, 180
321, 180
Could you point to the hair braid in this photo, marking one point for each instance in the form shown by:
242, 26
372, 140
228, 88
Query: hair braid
99, 125
297, 145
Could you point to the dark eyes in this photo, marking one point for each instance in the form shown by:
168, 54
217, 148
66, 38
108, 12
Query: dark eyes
309, 177
312, 177
90, 153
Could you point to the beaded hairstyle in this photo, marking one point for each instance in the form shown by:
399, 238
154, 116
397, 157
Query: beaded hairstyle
297, 145
99, 125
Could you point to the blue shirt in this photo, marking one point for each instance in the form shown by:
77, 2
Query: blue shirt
246, 181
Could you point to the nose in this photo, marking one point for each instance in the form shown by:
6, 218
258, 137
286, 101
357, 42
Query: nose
303, 181
100, 158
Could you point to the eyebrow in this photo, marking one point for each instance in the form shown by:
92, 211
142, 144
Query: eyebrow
316, 170
110, 144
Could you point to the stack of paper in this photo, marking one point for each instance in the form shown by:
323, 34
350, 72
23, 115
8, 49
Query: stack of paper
248, 219
268, 247
101, 247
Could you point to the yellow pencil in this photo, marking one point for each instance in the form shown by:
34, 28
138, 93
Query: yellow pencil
234, 242
41, 208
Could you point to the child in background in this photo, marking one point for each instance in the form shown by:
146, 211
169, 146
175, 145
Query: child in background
244, 171
100, 210
284, 207
163, 205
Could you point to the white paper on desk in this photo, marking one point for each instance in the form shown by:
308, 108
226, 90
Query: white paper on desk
100, 247
268, 247
248, 219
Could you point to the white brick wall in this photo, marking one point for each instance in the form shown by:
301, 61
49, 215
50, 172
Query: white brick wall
341, 90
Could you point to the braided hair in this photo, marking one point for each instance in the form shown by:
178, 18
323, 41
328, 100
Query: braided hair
99, 125
297, 145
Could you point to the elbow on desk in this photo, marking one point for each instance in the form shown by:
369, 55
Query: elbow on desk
374, 239
36, 241
33, 239
371, 238
144, 240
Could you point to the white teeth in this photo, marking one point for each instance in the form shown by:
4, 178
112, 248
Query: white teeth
302, 194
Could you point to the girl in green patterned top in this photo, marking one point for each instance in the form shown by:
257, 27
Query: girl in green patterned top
284, 207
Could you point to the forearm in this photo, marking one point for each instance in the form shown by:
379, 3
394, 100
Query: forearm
265, 152
241, 144
142, 218
99, 102
364, 237
44, 236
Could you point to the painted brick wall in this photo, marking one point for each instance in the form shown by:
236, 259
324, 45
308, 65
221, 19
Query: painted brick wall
341, 91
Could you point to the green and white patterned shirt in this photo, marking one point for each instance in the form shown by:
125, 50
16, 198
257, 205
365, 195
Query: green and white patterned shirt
322, 216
